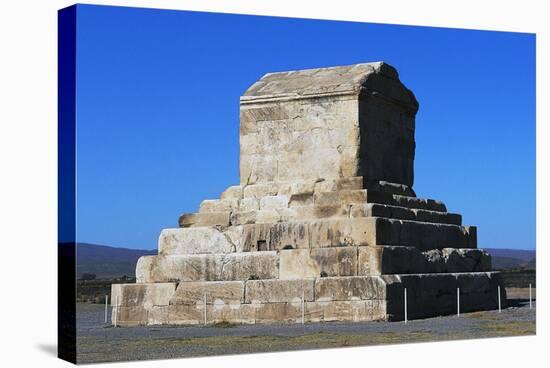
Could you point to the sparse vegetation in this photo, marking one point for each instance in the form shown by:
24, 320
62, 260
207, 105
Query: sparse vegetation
94, 290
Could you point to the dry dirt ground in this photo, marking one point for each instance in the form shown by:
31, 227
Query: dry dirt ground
100, 342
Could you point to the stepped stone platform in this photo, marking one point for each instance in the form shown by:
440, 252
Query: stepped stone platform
324, 224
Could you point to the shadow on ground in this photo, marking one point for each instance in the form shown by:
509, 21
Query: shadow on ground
50, 349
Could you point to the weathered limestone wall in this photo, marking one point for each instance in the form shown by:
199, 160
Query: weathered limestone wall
299, 140
354, 299
328, 123
309, 263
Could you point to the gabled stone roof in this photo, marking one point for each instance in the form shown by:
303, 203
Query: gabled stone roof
333, 81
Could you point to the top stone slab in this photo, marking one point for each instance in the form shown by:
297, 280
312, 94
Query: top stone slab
338, 80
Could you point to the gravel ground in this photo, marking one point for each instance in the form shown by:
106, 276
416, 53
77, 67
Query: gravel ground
99, 342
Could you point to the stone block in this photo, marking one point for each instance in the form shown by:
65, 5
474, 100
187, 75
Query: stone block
180, 314
321, 212
314, 311
194, 292
318, 262
219, 205
350, 183
346, 288
300, 200
256, 237
194, 240
235, 235
353, 311
249, 204
466, 260
144, 266
273, 202
244, 217
438, 217
187, 219
328, 233
310, 167
378, 260
410, 260
379, 210
341, 197
296, 264
342, 232
286, 235
264, 112
391, 188
232, 192
267, 216
323, 185
423, 235
212, 267
277, 312
473, 282
257, 168
142, 295
302, 187
424, 204
277, 291
232, 312
336, 261
260, 190
284, 188
130, 316
221, 219
287, 214
435, 260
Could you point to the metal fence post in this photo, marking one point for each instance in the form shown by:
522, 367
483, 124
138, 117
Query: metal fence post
303, 306
458, 302
204, 309
530, 298
106, 307
116, 312
405, 296
498, 289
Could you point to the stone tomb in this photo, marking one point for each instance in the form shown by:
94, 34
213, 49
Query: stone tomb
324, 225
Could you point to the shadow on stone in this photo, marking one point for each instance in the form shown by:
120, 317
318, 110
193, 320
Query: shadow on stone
517, 303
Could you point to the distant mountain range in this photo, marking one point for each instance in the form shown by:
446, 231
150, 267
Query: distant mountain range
109, 262
503, 259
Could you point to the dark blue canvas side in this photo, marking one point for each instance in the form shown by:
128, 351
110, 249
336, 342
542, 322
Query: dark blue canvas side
66, 272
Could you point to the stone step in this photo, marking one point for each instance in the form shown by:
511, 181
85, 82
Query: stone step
236, 192
384, 231
309, 263
423, 235
276, 209
372, 196
268, 201
379, 260
221, 219
403, 213
387, 260
430, 295
350, 298
208, 267
321, 233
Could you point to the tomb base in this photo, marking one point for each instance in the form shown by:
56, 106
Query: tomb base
344, 298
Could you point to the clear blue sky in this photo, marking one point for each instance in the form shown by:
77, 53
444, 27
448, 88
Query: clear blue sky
158, 113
